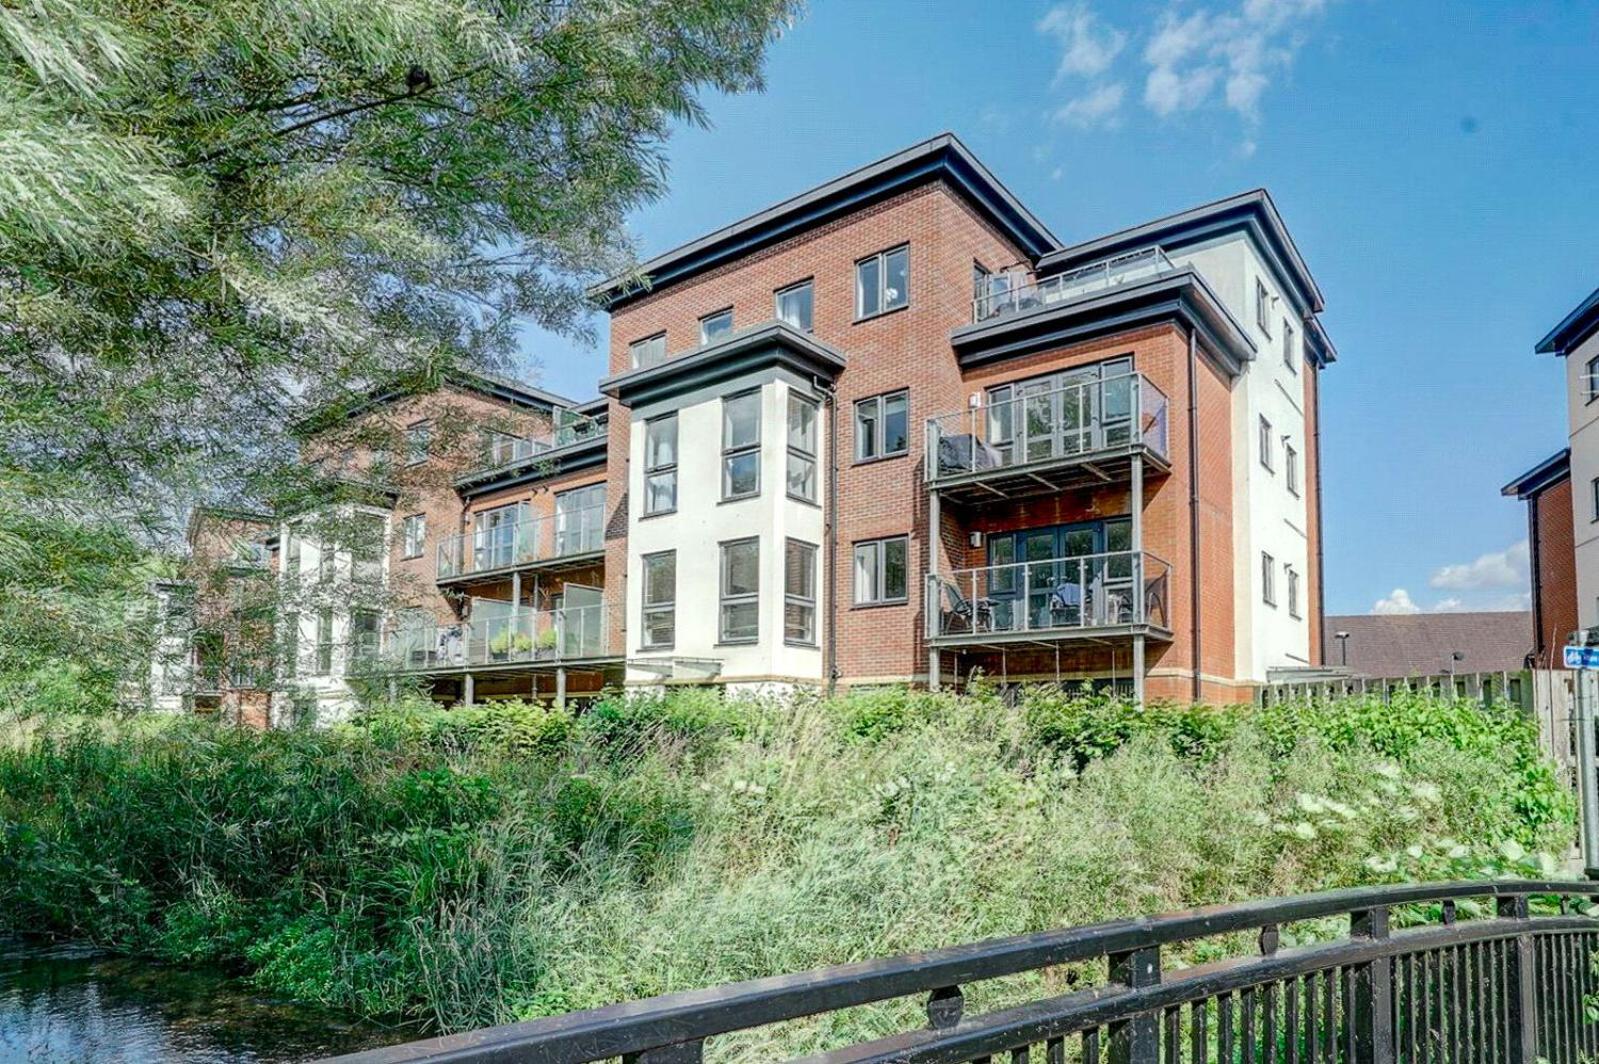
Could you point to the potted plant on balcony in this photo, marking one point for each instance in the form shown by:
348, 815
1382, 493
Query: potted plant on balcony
500, 645
546, 643
524, 643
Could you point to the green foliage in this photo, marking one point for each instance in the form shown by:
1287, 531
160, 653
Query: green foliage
472, 866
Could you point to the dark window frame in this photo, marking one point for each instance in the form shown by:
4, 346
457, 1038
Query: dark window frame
879, 597
405, 536
724, 599
664, 469
880, 259
799, 599
1265, 444
634, 347
715, 315
880, 404
777, 303
646, 607
1268, 579
796, 453
731, 452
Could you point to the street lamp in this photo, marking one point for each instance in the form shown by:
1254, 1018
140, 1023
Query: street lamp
1343, 647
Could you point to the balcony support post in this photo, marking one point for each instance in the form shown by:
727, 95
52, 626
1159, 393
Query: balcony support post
931, 596
1138, 669
1136, 505
560, 687
466, 688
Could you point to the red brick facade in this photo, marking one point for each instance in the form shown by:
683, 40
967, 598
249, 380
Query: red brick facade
1554, 575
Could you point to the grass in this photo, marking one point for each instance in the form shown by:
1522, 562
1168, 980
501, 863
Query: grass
455, 869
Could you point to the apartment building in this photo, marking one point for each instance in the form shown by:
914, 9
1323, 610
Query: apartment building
894, 430
891, 430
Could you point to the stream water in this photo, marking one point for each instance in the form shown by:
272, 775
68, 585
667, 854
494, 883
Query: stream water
69, 1003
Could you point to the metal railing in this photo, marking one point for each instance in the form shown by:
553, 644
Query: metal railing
1008, 297
1507, 985
526, 635
567, 427
1075, 420
1054, 595
533, 539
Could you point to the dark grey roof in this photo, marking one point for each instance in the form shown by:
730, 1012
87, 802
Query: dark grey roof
1253, 210
1573, 329
580, 454
727, 357
943, 156
1551, 470
1395, 646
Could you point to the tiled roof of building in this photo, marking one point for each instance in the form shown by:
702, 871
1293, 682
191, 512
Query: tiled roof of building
1393, 646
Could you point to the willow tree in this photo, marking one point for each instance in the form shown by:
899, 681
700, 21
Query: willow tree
216, 215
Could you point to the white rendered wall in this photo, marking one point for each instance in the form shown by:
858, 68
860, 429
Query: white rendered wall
1266, 515
1584, 422
702, 521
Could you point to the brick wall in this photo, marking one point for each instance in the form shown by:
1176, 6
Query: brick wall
1556, 575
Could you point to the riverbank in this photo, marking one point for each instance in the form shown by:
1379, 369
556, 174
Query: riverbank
464, 868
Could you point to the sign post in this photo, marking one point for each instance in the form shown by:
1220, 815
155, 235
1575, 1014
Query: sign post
1585, 661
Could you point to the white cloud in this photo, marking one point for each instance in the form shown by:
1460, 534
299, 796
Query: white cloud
1241, 50
1448, 605
1088, 46
1397, 601
1503, 568
1098, 108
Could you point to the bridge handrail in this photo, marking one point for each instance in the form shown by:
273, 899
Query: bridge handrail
657, 1028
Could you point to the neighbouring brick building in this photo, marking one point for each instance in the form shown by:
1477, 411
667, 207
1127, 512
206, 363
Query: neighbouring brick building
892, 430
1551, 556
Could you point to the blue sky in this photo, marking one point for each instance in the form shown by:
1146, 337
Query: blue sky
1437, 164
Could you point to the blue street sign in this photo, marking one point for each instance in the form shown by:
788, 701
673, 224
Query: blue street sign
1582, 657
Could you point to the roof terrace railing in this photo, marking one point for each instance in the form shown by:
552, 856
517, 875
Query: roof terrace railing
564, 534
568, 427
570, 633
1076, 419
1007, 295
1474, 975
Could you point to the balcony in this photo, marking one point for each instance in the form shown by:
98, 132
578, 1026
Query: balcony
1006, 297
523, 638
1075, 434
1090, 596
568, 428
566, 538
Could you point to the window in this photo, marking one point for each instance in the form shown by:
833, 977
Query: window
1268, 579
1265, 443
881, 426
324, 562
324, 642
363, 637
291, 644
1293, 592
412, 535
741, 584
799, 592
580, 520
714, 325
794, 305
660, 465
1595, 494
801, 447
291, 553
650, 351
880, 568
980, 277
1290, 352
660, 600
1291, 466
416, 442
503, 448
741, 446
882, 282
1262, 307
1591, 381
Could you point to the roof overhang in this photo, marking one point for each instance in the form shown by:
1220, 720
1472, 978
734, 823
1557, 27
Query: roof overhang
510, 392
1573, 329
1252, 212
1544, 475
739, 353
1180, 296
584, 454
943, 157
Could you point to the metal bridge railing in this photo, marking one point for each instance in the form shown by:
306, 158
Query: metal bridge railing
1511, 986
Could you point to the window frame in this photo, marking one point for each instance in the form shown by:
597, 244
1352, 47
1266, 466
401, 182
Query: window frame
663, 469
777, 303
798, 599
1268, 579
881, 258
731, 452
1595, 499
322, 663
796, 453
879, 548
646, 607
1591, 369
422, 430
742, 598
634, 347
880, 403
1290, 355
1263, 307
1293, 591
715, 315
420, 522
1290, 467
1265, 444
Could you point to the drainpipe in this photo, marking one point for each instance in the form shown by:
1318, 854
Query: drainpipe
830, 529
1321, 534
1193, 506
